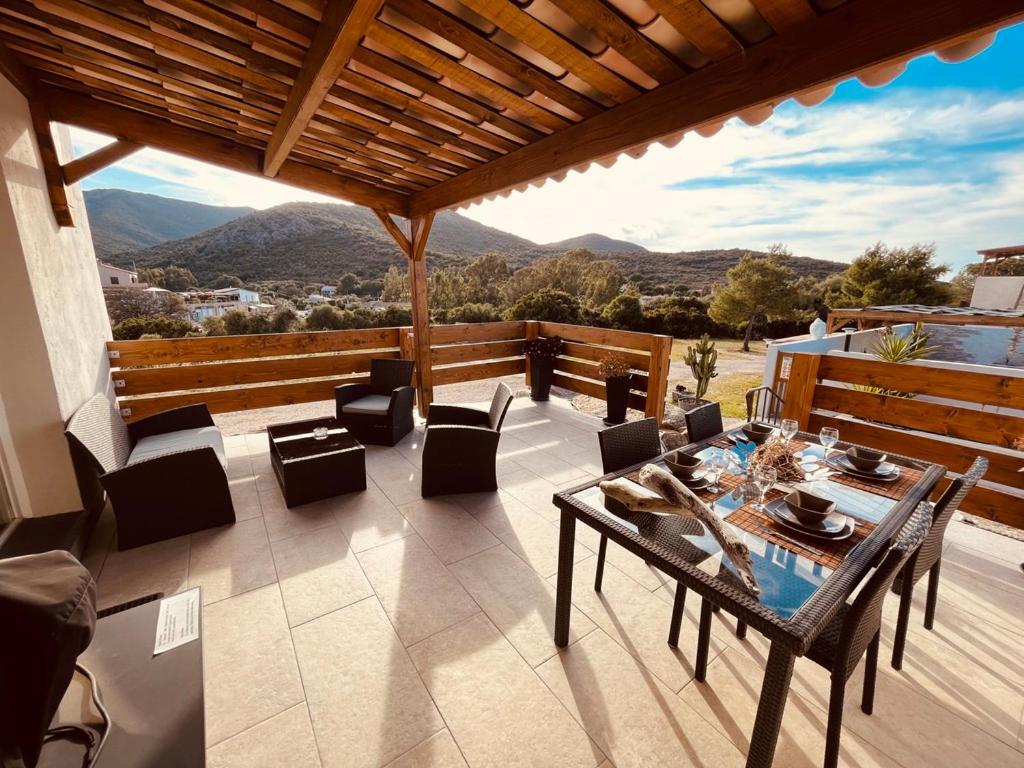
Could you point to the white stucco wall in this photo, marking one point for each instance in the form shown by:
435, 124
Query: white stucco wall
53, 322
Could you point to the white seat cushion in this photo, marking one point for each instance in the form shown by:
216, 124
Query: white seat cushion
371, 405
182, 440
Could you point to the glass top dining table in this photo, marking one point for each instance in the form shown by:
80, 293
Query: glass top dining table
802, 580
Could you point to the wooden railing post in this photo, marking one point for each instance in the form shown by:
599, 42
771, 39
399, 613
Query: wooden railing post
657, 376
532, 332
803, 378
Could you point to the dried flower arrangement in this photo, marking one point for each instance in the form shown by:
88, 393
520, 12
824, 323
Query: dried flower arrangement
544, 349
777, 454
613, 367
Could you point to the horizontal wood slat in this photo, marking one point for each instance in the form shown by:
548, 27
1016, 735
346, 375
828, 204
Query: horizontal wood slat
593, 389
984, 388
950, 420
1002, 467
208, 348
985, 502
589, 371
455, 374
460, 332
240, 399
636, 360
608, 337
464, 353
141, 381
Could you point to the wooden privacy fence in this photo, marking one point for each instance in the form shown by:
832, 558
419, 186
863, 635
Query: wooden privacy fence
234, 373
953, 432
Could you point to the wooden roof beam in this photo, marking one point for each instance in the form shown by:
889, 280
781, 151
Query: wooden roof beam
103, 117
342, 26
51, 162
853, 37
80, 167
21, 77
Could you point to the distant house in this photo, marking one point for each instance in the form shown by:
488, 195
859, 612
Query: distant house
328, 290
316, 298
111, 276
204, 304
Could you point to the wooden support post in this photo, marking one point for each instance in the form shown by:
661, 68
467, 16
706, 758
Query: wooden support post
51, 163
83, 166
414, 247
532, 332
657, 376
803, 378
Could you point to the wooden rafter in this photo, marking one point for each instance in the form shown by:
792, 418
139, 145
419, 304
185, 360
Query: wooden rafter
784, 14
51, 163
80, 167
342, 27
699, 26
81, 111
854, 37
19, 75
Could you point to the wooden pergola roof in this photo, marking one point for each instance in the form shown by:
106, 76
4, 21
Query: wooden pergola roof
412, 106
992, 257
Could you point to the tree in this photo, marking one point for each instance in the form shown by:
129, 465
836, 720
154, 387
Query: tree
124, 303
214, 326
625, 312
883, 276
172, 278
236, 322
396, 285
284, 320
348, 283
162, 326
474, 313
227, 281
326, 318
755, 288
548, 305
962, 285
485, 277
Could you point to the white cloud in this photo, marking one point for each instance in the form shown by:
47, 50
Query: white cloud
935, 166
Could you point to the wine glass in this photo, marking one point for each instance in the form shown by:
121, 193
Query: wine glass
715, 464
763, 478
828, 436
788, 429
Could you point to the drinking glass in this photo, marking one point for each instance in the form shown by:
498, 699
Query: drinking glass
716, 464
763, 478
320, 433
829, 436
788, 429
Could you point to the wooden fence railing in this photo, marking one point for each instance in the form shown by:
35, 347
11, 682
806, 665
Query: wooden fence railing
953, 432
233, 373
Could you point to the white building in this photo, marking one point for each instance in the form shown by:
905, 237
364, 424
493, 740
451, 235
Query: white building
204, 304
328, 290
116, 276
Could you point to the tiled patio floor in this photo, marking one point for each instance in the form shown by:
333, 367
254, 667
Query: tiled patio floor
383, 629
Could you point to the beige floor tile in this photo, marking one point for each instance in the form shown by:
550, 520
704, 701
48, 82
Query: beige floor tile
631, 715
990, 599
448, 529
231, 560
914, 730
367, 704
284, 739
419, 594
974, 564
992, 545
245, 497
527, 534
249, 664
319, 573
498, 711
404, 489
439, 751
283, 522
532, 490
549, 466
639, 621
729, 698
474, 503
519, 602
646, 575
133, 573
369, 519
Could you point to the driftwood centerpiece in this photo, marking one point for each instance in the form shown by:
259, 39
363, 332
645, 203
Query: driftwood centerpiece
677, 499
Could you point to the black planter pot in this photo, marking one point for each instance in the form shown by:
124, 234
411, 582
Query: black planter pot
541, 372
617, 393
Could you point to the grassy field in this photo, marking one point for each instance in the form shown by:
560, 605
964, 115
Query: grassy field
730, 390
728, 349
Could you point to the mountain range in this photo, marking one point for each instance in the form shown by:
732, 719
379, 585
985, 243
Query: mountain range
318, 242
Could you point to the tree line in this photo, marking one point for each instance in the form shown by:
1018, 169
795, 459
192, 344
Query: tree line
762, 295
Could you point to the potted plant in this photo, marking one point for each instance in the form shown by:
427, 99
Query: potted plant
542, 354
617, 376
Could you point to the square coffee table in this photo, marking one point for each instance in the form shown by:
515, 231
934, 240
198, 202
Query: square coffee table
309, 469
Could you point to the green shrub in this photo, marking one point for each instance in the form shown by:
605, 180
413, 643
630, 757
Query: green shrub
474, 313
625, 312
160, 325
548, 305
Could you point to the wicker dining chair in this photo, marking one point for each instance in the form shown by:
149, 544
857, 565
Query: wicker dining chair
856, 628
764, 405
623, 446
704, 422
928, 558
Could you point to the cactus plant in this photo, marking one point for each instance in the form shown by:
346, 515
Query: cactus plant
702, 359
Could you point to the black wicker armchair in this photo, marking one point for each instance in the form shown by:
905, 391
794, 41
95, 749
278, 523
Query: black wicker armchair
928, 559
703, 422
764, 405
165, 475
461, 446
378, 413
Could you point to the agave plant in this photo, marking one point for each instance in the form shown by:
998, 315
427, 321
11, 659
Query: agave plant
900, 349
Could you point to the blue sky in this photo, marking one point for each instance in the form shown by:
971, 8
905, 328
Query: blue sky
936, 156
